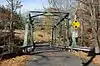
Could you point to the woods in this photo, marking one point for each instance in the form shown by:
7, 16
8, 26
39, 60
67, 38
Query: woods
88, 14
9, 18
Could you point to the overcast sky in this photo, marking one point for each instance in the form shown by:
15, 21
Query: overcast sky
31, 4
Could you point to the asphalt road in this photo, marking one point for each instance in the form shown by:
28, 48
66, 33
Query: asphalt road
53, 57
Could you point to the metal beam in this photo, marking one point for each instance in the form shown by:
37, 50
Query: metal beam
43, 25
61, 20
41, 15
47, 12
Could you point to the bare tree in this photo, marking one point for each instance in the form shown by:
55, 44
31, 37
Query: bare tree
13, 6
90, 14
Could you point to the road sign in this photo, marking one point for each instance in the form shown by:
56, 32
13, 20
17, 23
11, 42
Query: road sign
75, 34
76, 24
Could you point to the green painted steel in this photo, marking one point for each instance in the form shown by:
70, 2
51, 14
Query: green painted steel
72, 37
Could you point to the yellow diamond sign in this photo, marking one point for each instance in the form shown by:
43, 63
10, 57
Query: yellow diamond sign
76, 24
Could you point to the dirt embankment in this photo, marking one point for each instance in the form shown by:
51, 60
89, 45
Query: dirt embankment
37, 35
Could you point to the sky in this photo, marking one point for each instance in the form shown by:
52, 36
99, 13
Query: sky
30, 4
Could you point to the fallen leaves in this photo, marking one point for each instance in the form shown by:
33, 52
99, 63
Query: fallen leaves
81, 54
84, 55
17, 61
96, 60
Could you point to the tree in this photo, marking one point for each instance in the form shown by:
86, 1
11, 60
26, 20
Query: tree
90, 14
13, 6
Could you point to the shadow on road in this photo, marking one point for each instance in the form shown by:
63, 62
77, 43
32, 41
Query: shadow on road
38, 52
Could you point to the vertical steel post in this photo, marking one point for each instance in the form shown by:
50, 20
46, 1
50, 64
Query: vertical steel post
52, 42
73, 37
55, 35
64, 34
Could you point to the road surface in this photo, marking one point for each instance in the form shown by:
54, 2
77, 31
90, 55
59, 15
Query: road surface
50, 57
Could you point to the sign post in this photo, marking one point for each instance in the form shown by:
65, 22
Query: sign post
75, 25
74, 36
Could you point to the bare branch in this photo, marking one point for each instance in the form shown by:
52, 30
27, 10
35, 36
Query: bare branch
8, 2
83, 2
